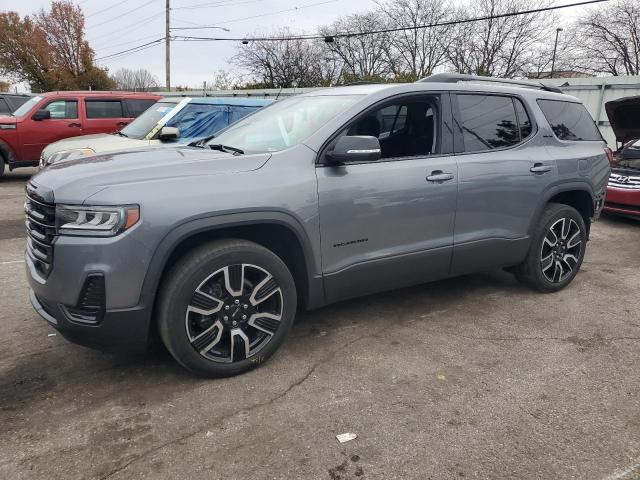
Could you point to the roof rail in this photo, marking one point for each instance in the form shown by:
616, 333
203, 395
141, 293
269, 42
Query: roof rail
462, 77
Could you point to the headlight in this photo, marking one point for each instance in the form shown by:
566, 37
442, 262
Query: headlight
95, 221
66, 155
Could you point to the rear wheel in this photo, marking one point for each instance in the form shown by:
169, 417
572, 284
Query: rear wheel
2, 165
557, 249
226, 307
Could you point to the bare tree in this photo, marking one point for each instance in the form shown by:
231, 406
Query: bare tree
567, 58
611, 38
140, 80
364, 57
417, 52
500, 47
285, 62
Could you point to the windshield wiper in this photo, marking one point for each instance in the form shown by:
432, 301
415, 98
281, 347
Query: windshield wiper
121, 134
226, 148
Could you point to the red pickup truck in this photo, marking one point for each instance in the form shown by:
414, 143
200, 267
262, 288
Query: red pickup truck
49, 117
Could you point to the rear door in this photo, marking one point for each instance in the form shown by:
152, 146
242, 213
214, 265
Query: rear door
389, 223
104, 115
503, 170
64, 122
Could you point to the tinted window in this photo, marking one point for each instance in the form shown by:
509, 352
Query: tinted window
569, 121
4, 106
523, 120
404, 129
488, 122
137, 106
61, 109
104, 108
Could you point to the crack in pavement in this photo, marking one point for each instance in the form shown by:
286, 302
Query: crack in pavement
297, 383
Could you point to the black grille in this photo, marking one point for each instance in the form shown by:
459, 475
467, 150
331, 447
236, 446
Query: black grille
91, 303
41, 230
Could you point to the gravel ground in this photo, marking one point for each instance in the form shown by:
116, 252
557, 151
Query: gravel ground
474, 377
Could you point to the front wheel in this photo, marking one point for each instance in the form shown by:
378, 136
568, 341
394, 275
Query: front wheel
557, 249
226, 307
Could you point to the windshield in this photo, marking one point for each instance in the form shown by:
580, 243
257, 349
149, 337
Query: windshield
25, 107
284, 124
142, 125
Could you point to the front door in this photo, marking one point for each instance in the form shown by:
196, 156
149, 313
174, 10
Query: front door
64, 123
389, 223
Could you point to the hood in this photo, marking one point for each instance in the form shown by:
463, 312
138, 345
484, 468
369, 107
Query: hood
75, 180
99, 143
624, 117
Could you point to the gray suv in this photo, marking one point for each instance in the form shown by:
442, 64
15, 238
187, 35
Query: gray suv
317, 198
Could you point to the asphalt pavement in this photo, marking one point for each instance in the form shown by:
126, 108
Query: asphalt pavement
473, 377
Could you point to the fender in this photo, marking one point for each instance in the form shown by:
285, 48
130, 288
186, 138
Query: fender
216, 222
553, 190
8, 154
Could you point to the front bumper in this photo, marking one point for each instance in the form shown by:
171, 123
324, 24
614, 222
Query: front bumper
622, 202
123, 319
118, 331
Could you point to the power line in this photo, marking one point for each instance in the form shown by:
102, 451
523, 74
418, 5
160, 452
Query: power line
215, 4
104, 9
352, 34
294, 9
126, 27
122, 14
111, 46
385, 30
132, 49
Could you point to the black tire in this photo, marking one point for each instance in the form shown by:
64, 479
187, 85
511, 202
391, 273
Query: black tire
559, 267
2, 165
199, 283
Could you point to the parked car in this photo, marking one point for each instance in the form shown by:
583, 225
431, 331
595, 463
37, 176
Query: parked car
623, 191
50, 117
320, 197
10, 102
170, 121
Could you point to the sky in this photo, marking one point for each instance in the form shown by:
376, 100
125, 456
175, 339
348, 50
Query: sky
116, 25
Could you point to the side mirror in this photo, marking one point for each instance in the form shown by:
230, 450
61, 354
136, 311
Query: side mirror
354, 149
169, 133
41, 115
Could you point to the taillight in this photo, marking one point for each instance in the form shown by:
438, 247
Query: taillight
609, 152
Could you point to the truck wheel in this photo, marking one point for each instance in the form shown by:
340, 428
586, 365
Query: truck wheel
557, 249
226, 307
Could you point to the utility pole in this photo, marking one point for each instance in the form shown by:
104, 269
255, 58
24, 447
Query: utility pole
167, 48
555, 47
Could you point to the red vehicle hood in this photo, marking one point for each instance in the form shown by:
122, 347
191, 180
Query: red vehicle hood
624, 117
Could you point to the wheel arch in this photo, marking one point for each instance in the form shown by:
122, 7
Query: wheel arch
578, 195
276, 231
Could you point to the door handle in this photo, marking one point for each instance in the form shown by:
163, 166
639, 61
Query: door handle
540, 168
75, 125
438, 176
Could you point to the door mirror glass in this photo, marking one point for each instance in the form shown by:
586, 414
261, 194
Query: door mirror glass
41, 115
168, 134
358, 148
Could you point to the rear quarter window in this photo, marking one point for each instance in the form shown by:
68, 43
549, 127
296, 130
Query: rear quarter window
104, 108
569, 120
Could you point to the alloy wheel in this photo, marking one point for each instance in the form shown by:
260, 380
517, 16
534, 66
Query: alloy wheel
561, 249
234, 313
